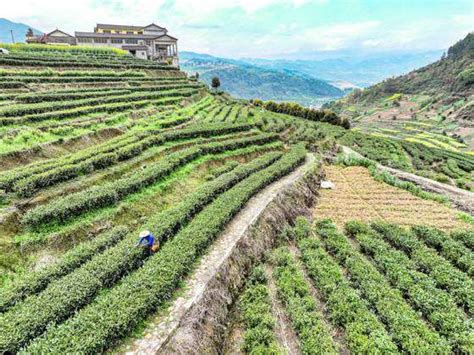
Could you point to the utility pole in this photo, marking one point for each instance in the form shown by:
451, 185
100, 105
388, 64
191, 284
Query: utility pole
13, 38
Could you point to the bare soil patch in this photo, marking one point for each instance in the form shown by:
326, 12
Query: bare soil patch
358, 196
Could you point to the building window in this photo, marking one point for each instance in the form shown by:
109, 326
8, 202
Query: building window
130, 32
117, 40
131, 41
100, 40
148, 43
84, 40
107, 31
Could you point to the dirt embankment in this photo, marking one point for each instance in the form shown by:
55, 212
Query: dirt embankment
462, 199
196, 322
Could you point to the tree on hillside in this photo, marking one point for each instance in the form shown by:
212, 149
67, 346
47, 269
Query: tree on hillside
29, 33
215, 83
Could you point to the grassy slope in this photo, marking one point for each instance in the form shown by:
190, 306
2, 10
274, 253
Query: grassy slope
431, 105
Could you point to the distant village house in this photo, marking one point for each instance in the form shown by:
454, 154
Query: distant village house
146, 42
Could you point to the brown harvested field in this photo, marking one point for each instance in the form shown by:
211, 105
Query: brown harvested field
358, 196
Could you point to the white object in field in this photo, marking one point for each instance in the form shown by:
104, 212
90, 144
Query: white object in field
327, 185
4, 51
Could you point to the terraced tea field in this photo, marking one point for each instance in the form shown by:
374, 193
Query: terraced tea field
96, 146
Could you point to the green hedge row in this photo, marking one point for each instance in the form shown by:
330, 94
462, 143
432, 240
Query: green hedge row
408, 330
58, 95
76, 79
62, 297
295, 109
71, 73
29, 109
79, 111
256, 314
307, 320
31, 184
434, 303
115, 314
364, 333
450, 249
459, 285
40, 62
8, 178
35, 282
466, 237
95, 197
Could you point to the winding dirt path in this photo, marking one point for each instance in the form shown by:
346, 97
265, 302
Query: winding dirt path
208, 292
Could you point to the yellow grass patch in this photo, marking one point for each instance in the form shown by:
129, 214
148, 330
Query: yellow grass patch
358, 196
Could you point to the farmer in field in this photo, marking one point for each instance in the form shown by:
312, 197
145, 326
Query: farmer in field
147, 240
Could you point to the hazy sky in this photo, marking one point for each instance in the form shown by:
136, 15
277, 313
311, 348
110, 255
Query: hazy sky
266, 28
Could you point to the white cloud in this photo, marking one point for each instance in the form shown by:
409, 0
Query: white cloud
190, 21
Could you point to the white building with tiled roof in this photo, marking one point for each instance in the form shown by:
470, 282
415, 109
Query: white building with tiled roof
146, 42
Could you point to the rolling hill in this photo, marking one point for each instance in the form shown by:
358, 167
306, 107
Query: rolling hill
358, 69
433, 105
250, 81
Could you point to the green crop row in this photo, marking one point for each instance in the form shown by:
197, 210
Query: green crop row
466, 237
450, 249
458, 284
435, 304
228, 166
35, 282
29, 185
25, 49
114, 314
75, 79
59, 95
364, 333
79, 111
423, 156
38, 97
78, 203
313, 334
259, 323
29, 109
405, 325
79, 287
40, 62
72, 73
8, 178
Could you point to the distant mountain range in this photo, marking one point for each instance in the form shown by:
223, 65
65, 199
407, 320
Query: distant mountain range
19, 31
247, 80
439, 97
309, 82
360, 70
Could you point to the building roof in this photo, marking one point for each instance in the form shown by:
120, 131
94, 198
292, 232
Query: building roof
120, 35
114, 35
132, 47
167, 35
118, 27
57, 30
128, 27
155, 25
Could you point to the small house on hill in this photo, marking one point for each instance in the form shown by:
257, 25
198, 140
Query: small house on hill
55, 37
